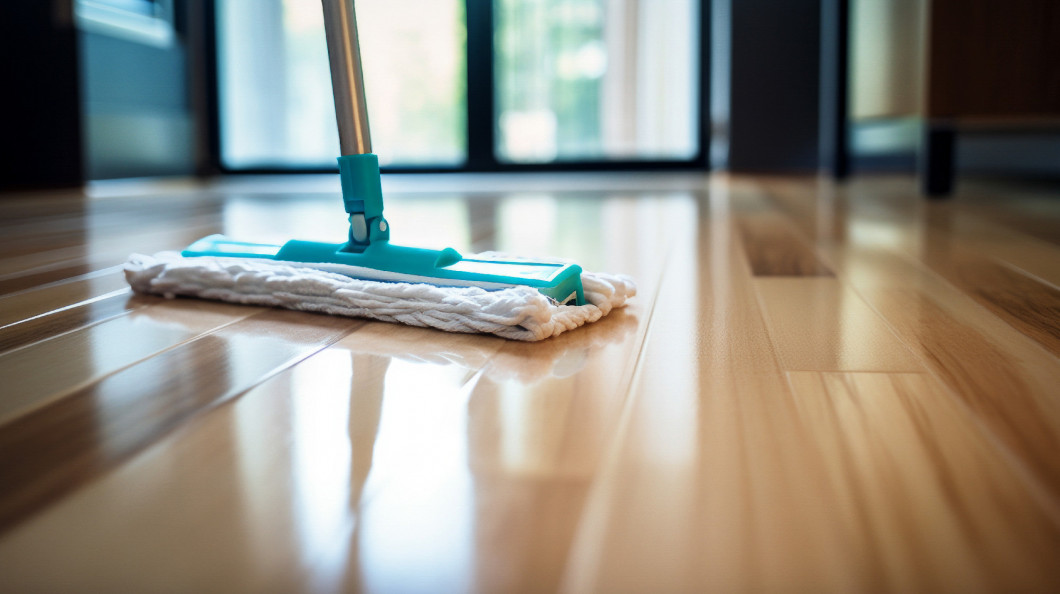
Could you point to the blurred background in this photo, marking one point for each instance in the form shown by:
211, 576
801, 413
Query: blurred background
573, 80
133, 88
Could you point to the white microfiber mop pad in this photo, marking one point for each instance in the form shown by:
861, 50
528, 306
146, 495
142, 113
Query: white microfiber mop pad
519, 313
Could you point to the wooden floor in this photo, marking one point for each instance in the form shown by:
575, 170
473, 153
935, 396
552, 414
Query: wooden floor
819, 388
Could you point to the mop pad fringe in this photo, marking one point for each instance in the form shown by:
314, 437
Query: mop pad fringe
517, 313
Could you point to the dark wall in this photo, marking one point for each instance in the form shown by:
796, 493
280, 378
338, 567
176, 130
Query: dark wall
774, 96
40, 139
80, 104
136, 104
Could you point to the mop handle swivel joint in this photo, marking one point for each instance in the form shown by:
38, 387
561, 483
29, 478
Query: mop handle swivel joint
362, 196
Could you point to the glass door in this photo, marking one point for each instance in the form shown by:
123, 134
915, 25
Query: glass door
481, 85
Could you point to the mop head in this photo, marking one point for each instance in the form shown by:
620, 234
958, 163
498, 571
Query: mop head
519, 313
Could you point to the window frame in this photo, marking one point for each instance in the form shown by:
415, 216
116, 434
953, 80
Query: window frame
480, 116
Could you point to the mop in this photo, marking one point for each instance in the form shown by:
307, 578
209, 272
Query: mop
366, 276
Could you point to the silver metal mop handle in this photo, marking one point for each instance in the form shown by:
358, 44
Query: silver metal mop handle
347, 79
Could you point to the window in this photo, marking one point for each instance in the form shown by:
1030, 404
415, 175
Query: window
596, 79
570, 83
276, 109
144, 21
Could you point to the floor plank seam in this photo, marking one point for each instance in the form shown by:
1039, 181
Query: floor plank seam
588, 520
68, 307
1032, 482
70, 331
99, 378
1019, 270
175, 424
972, 302
80, 278
821, 253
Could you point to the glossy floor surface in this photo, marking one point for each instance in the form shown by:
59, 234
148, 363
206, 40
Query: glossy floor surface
819, 388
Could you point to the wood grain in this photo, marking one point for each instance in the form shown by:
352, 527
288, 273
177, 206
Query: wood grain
817, 324
85, 266
978, 366
917, 479
50, 274
19, 272
233, 474
978, 356
61, 321
366, 412
18, 307
994, 241
58, 447
704, 437
47, 370
1030, 306
818, 388
1031, 215
774, 249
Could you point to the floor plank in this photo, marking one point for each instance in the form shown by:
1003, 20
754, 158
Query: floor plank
977, 356
57, 448
70, 318
1030, 306
233, 474
24, 271
712, 469
978, 365
1027, 208
992, 238
819, 387
17, 307
817, 324
774, 249
48, 370
922, 488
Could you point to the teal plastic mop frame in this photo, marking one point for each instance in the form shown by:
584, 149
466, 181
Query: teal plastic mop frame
368, 253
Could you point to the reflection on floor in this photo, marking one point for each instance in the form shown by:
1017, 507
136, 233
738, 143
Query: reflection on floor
818, 387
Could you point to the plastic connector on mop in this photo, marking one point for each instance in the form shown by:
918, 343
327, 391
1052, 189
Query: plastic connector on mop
362, 195
370, 255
